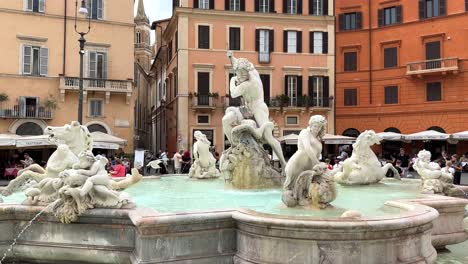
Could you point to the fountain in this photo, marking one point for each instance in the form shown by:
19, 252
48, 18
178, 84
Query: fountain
254, 219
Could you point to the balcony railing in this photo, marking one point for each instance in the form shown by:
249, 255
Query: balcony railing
89, 84
432, 66
19, 112
264, 57
203, 101
301, 102
229, 101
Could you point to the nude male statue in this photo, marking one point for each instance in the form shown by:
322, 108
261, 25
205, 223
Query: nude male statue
247, 83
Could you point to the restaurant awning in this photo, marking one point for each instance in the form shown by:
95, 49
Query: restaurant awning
460, 135
8, 139
105, 141
328, 139
427, 135
390, 136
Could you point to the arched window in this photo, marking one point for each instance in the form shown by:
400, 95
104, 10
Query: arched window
393, 129
138, 37
436, 128
97, 128
351, 132
29, 129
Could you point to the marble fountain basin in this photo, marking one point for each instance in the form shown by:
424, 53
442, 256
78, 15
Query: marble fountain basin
182, 220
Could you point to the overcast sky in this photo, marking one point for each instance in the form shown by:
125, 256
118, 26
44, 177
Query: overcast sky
156, 10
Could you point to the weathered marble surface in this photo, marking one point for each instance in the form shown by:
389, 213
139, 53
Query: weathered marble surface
235, 236
204, 165
363, 167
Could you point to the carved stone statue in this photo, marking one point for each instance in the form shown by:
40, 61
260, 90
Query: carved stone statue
73, 182
246, 163
363, 167
204, 165
308, 182
434, 180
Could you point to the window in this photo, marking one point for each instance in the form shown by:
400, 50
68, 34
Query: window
318, 7
319, 42
235, 5
266, 87
391, 94
95, 108
97, 128
264, 44
350, 61
203, 4
35, 5
292, 90
350, 21
138, 37
389, 16
97, 65
292, 120
466, 5
390, 57
431, 8
292, 6
203, 88
264, 6
292, 42
95, 9
433, 91
29, 129
350, 97
234, 38
319, 91
203, 37
35, 60
203, 119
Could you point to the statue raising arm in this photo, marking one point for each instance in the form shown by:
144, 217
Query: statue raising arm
308, 147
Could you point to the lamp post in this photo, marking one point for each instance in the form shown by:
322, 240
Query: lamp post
84, 11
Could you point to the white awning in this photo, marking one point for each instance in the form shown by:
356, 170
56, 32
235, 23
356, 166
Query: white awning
33, 141
461, 135
328, 139
390, 136
8, 139
106, 141
427, 135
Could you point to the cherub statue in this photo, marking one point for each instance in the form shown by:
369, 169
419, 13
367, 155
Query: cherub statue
97, 175
204, 165
247, 83
434, 180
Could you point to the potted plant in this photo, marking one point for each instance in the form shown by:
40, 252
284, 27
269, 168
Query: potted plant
3, 98
214, 95
303, 101
283, 99
50, 103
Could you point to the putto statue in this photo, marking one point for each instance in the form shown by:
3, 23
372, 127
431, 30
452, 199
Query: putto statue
434, 180
247, 128
74, 179
308, 182
204, 165
363, 167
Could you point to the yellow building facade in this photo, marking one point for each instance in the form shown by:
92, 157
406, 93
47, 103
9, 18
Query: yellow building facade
39, 68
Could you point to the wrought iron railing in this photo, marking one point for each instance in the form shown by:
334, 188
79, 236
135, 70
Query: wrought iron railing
32, 112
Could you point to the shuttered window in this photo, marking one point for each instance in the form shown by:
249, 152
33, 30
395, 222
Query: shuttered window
264, 44
390, 57
318, 42
318, 7
95, 9
35, 5
319, 91
234, 5
265, 6
203, 37
292, 6
390, 16
234, 38
266, 87
350, 97
350, 61
391, 94
434, 91
432, 8
350, 21
95, 108
202, 4
292, 41
97, 65
35, 60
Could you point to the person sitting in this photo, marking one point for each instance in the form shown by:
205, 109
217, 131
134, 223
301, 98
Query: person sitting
390, 173
119, 169
28, 161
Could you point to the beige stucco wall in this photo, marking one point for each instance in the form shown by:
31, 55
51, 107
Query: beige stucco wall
114, 34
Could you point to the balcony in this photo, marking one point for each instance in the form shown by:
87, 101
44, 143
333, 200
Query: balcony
26, 112
264, 57
432, 67
102, 85
229, 101
204, 102
300, 103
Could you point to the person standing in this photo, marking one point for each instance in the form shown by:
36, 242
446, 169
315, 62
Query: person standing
177, 161
119, 169
456, 165
404, 162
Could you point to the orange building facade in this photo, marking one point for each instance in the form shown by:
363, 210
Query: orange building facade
287, 41
401, 66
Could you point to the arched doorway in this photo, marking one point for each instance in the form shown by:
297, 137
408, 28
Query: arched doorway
29, 129
97, 128
391, 148
437, 128
351, 132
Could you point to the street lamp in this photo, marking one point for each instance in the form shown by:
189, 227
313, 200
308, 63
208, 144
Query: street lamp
84, 11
